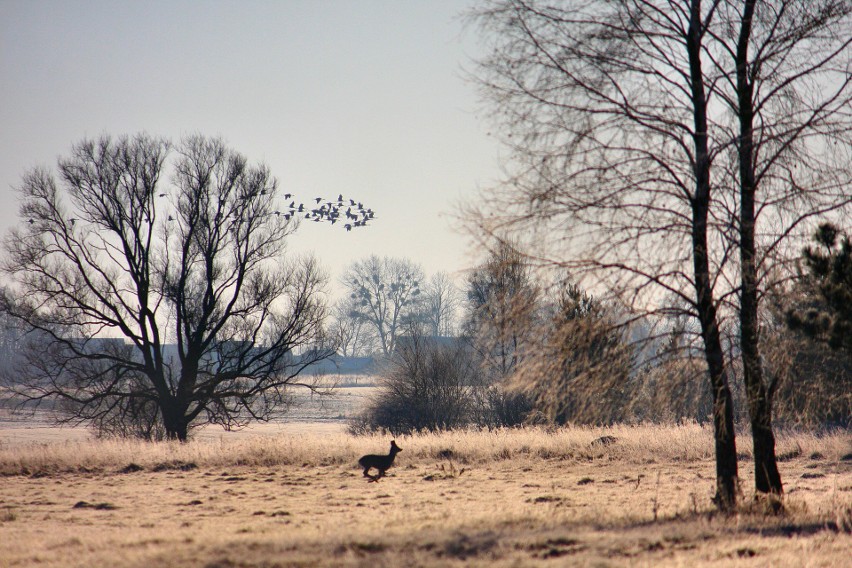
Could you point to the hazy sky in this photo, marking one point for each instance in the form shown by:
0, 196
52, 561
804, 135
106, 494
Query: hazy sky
363, 98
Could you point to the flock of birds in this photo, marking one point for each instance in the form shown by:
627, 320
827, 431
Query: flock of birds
350, 213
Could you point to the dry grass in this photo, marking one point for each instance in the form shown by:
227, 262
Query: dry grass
502, 498
645, 444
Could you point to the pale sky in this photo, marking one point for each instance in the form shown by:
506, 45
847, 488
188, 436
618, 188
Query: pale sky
364, 98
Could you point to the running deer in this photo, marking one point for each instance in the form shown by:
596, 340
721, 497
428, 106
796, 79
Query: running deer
380, 462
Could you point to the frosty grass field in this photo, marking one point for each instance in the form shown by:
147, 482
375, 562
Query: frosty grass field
291, 494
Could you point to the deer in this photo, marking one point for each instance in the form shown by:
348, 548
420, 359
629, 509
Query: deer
380, 462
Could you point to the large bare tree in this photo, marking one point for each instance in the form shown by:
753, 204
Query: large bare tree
177, 253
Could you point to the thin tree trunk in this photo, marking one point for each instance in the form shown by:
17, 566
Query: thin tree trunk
767, 477
727, 481
727, 476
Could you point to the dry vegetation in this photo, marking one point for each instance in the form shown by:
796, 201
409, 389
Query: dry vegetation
506, 497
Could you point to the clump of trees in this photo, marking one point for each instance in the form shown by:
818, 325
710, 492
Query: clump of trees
525, 356
827, 289
674, 148
387, 297
818, 358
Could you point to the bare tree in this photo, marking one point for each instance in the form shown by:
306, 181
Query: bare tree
502, 301
350, 332
109, 249
790, 91
442, 301
387, 295
606, 108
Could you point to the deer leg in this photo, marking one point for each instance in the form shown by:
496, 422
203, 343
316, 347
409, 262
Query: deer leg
370, 478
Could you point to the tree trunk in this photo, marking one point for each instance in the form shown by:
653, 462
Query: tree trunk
174, 419
727, 475
767, 477
727, 481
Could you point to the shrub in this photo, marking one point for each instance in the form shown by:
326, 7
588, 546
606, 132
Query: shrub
506, 408
579, 370
429, 384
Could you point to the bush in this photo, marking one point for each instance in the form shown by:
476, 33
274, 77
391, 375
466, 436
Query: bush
506, 408
429, 384
579, 371
672, 390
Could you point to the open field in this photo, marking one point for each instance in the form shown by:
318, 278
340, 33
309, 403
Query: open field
503, 498
318, 413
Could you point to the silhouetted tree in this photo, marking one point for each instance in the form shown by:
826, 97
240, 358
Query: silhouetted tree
629, 121
788, 67
132, 240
